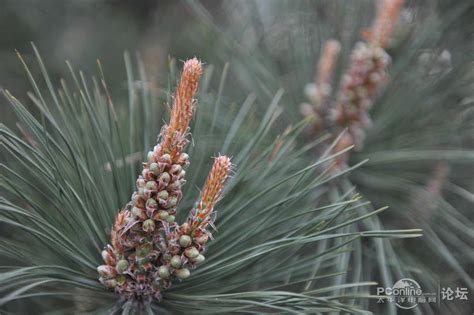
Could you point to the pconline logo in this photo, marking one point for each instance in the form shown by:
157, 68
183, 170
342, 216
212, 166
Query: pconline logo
405, 293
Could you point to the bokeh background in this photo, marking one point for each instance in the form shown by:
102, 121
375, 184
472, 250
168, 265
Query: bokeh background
282, 35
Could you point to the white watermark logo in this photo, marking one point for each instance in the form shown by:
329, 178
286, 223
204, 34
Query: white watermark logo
406, 293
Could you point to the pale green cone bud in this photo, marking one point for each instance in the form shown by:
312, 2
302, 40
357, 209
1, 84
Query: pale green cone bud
165, 158
185, 240
148, 225
175, 169
120, 279
176, 185
151, 203
164, 272
122, 265
199, 259
142, 252
137, 212
161, 215
151, 185
155, 168
170, 219
172, 202
150, 156
164, 177
163, 195
183, 273
191, 252
175, 261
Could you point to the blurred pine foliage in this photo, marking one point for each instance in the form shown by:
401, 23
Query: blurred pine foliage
423, 123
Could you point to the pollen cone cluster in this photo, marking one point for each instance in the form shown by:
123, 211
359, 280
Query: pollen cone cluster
366, 76
149, 250
362, 81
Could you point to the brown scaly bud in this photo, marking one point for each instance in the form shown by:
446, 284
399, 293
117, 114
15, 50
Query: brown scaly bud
212, 190
183, 107
115, 235
109, 257
183, 159
387, 16
139, 200
106, 271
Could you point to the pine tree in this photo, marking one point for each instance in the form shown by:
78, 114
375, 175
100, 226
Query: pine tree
302, 226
